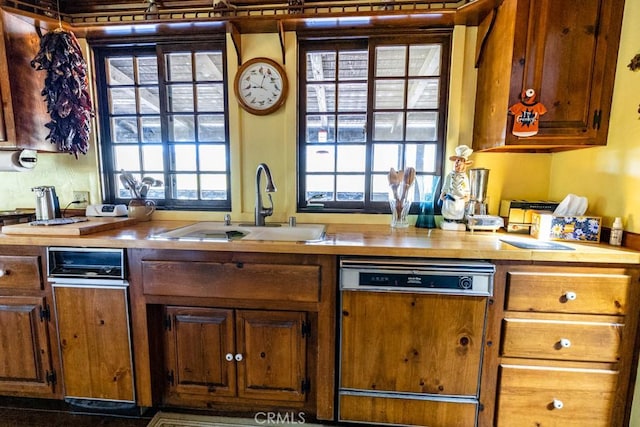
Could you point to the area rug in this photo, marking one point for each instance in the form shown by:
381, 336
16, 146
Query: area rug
171, 419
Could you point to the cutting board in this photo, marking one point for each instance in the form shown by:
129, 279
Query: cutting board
93, 225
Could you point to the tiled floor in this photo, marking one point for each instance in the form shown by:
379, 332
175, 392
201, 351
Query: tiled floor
22, 413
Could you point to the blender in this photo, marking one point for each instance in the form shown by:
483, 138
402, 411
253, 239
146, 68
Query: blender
478, 179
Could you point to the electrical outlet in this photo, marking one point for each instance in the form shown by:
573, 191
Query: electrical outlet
82, 197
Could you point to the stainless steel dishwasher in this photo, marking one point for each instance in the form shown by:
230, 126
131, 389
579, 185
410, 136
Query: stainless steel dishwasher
90, 293
411, 340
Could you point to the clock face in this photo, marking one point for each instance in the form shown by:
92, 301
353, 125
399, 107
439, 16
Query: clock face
261, 86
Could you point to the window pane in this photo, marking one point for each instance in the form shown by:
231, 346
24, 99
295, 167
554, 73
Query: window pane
388, 126
351, 158
352, 97
350, 187
120, 71
320, 185
320, 158
184, 157
213, 187
321, 66
179, 67
211, 128
421, 156
151, 131
390, 61
186, 187
213, 157
352, 128
209, 66
422, 126
149, 100
180, 98
423, 94
147, 69
424, 60
126, 157
122, 100
354, 65
124, 129
321, 98
389, 94
210, 97
386, 156
152, 158
181, 128
321, 128
380, 188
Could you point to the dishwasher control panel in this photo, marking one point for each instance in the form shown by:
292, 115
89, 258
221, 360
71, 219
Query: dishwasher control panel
417, 275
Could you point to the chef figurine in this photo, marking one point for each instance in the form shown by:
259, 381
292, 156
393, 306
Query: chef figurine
455, 189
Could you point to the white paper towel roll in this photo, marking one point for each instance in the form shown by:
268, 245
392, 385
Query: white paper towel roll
18, 161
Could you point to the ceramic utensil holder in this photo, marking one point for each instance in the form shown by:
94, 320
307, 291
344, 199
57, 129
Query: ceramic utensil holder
141, 209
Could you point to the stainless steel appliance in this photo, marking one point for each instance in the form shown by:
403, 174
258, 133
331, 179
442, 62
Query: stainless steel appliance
47, 204
478, 180
90, 293
411, 340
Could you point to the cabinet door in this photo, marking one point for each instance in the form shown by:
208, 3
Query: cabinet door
200, 357
25, 359
93, 329
272, 345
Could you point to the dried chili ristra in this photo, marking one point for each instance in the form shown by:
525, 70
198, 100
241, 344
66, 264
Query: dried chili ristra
66, 91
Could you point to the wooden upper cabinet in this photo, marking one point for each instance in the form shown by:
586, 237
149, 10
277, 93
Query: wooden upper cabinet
566, 51
24, 112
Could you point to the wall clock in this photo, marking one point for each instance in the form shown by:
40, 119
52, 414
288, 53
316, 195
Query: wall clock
261, 86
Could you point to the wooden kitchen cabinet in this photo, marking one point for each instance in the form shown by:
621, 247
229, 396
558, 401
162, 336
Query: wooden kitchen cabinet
566, 51
234, 331
216, 354
28, 360
567, 346
23, 115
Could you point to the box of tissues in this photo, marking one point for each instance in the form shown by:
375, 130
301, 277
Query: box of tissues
547, 226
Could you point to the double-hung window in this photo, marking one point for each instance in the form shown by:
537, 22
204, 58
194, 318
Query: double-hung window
368, 105
163, 114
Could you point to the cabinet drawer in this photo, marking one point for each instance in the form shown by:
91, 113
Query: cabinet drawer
583, 397
232, 280
20, 272
562, 340
567, 293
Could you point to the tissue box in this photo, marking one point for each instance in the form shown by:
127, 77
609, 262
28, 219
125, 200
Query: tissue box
547, 226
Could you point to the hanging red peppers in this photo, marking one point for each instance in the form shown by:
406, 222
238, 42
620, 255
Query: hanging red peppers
66, 91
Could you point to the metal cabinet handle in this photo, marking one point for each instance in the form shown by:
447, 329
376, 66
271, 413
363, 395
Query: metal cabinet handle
570, 296
565, 343
238, 357
3, 272
229, 357
557, 404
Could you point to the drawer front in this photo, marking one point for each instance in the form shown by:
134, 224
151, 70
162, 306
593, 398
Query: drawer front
567, 293
407, 412
20, 272
561, 340
232, 280
582, 397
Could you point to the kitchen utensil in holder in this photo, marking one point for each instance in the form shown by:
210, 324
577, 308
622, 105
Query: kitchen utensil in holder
401, 196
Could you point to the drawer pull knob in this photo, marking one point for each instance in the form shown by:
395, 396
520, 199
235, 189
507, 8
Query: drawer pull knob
3, 272
239, 357
229, 357
557, 404
565, 343
570, 296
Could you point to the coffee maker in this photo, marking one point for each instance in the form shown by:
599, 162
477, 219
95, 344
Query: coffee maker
478, 179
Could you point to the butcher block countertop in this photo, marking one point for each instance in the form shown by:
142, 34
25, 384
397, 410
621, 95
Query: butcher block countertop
346, 239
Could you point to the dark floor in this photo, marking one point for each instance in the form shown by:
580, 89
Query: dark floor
23, 413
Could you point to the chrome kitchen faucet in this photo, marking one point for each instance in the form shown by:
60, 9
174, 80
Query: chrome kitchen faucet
261, 211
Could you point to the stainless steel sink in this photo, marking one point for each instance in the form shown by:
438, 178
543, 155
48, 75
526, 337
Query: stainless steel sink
218, 231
